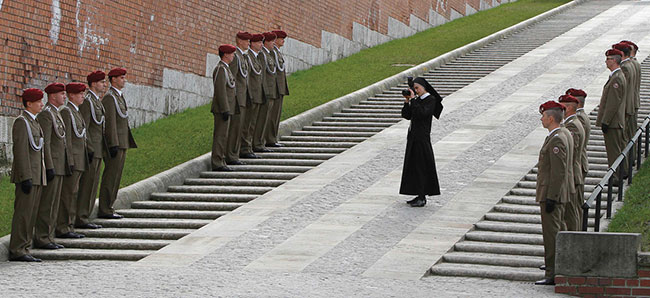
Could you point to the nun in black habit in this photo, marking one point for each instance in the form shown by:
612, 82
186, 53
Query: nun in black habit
419, 175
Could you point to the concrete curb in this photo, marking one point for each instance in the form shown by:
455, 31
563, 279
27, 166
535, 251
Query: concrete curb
140, 191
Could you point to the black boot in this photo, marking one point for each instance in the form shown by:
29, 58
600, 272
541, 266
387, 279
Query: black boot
412, 200
419, 202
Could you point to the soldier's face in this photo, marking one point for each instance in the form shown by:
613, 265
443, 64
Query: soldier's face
610, 63
99, 86
76, 98
242, 44
119, 82
256, 46
56, 99
35, 107
228, 57
279, 42
546, 119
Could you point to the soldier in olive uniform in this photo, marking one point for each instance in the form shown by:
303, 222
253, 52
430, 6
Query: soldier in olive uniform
611, 111
75, 129
553, 179
28, 173
223, 106
255, 100
637, 67
275, 113
118, 140
586, 125
629, 71
269, 87
92, 111
57, 158
573, 210
239, 70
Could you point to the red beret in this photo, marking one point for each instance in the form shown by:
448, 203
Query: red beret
227, 48
75, 88
576, 92
636, 48
550, 105
269, 36
280, 34
243, 35
96, 76
257, 37
116, 72
621, 46
54, 88
32, 94
613, 52
568, 99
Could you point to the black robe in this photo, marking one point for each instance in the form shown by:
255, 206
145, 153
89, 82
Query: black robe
419, 175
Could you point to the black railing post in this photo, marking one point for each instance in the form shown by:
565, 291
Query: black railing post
610, 186
620, 179
630, 165
638, 152
647, 139
597, 217
585, 216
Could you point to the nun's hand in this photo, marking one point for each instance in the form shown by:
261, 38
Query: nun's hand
409, 97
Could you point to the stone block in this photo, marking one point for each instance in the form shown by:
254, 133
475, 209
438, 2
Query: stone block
436, 19
469, 10
211, 61
455, 15
367, 37
643, 259
397, 29
597, 254
418, 24
484, 5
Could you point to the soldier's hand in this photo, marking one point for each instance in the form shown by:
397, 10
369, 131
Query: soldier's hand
225, 116
90, 156
71, 168
604, 127
26, 186
550, 206
49, 174
113, 151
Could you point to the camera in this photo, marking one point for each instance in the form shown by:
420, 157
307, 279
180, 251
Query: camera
407, 92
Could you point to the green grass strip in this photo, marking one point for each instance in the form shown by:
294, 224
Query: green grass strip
178, 138
634, 216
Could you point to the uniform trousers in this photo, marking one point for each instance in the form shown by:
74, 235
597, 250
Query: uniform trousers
630, 127
551, 225
111, 178
248, 128
48, 210
573, 210
234, 135
613, 145
88, 192
219, 140
261, 125
23, 221
273, 121
68, 206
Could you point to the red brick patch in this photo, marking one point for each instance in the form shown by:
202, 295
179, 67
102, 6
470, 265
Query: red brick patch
590, 290
632, 282
577, 280
565, 289
604, 281
618, 282
644, 273
641, 292
645, 282
617, 291
592, 281
560, 279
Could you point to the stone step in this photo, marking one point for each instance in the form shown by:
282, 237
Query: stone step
184, 205
500, 248
531, 191
318, 144
322, 150
524, 209
530, 185
378, 104
226, 192
351, 118
588, 181
343, 129
250, 175
501, 237
328, 139
503, 224
396, 111
493, 259
525, 200
114, 243
131, 233
161, 213
284, 162
163, 223
333, 134
366, 115
91, 254
484, 271
234, 182
267, 168
293, 155
381, 124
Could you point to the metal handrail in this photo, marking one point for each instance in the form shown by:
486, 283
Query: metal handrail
596, 195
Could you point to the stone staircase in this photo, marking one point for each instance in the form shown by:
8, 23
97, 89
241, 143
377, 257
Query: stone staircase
151, 225
507, 242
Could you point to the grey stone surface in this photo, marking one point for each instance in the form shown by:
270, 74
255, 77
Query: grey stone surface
643, 259
597, 254
436, 19
397, 29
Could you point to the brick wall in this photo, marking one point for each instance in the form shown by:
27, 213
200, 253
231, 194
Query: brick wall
605, 287
170, 46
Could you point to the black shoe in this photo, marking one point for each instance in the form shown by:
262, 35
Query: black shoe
412, 200
274, 145
71, 235
248, 155
545, 282
25, 258
222, 169
91, 226
49, 246
110, 216
262, 150
420, 202
543, 267
59, 245
235, 163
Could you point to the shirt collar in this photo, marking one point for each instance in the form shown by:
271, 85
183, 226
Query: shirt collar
74, 105
93, 93
242, 52
425, 95
569, 118
580, 109
613, 71
116, 90
30, 114
266, 50
254, 53
552, 131
626, 59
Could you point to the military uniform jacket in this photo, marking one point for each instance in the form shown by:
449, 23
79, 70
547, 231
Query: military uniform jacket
75, 129
637, 85
255, 77
28, 143
117, 130
611, 110
55, 151
92, 111
578, 134
586, 125
239, 70
629, 71
223, 99
553, 169
270, 85
281, 77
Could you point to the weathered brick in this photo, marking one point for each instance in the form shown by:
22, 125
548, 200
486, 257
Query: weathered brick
560, 280
604, 281
632, 282
640, 292
617, 291
565, 289
590, 290
592, 281
577, 280
645, 283
618, 282
644, 273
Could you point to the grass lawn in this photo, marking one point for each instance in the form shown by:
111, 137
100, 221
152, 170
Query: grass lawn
634, 216
178, 138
